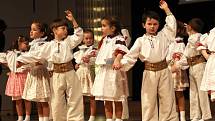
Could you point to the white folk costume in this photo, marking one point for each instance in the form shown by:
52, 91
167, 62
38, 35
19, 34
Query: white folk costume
66, 98
208, 80
110, 84
157, 82
175, 56
17, 76
86, 71
37, 83
199, 102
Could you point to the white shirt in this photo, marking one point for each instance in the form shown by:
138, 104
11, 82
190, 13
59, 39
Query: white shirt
191, 48
151, 48
57, 51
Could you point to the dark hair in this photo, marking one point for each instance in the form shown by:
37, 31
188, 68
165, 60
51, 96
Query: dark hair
181, 30
15, 44
3, 25
196, 24
89, 31
113, 21
57, 23
150, 14
42, 27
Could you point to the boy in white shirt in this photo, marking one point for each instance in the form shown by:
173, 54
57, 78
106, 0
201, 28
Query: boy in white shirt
152, 48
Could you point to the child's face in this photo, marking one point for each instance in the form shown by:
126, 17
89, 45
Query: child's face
188, 28
23, 46
106, 28
35, 32
60, 32
151, 26
88, 39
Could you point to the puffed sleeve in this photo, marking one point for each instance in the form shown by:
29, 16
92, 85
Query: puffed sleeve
75, 39
202, 45
127, 36
131, 57
169, 29
120, 46
42, 54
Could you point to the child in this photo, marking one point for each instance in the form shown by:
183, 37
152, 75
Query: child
17, 77
207, 43
152, 48
177, 64
37, 84
85, 59
199, 102
66, 99
111, 85
206, 47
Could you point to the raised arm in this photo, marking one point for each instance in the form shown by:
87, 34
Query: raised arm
171, 25
77, 37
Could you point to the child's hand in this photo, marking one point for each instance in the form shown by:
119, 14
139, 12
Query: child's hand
93, 54
19, 64
86, 59
69, 15
174, 68
76, 66
176, 56
116, 65
199, 44
163, 5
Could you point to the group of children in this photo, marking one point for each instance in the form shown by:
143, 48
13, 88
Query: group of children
45, 74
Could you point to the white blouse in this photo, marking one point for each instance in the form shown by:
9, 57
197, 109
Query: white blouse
108, 48
84, 51
208, 41
11, 59
151, 48
35, 46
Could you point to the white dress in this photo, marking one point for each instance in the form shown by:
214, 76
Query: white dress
37, 83
86, 71
110, 84
208, 80
180, 76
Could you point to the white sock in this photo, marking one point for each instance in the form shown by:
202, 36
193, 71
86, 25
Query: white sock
118, 119
27, 118
92, 118
109, 119
40, 118
182, 116
20, 118
45, 118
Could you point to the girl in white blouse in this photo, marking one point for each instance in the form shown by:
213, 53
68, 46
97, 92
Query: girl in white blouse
17, 76
111, 85
37, 84
85, 68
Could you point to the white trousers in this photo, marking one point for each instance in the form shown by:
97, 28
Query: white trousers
158, 97
67, 99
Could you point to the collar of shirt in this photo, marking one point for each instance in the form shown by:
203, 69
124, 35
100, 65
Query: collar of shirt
37, 40
112, 36
179, 40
